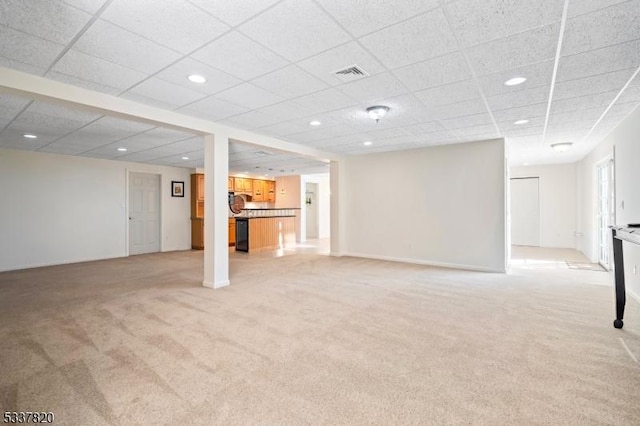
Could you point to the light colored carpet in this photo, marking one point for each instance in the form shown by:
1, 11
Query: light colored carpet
307, 339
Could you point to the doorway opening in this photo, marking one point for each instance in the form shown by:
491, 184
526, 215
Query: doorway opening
525, 211
311, 207
144, 213
606, 211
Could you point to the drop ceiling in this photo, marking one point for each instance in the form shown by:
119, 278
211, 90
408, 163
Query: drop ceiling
439, 65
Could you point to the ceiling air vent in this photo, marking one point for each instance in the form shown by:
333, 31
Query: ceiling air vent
352, 72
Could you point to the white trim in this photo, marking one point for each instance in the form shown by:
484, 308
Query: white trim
633, 294
425, 262
217, 285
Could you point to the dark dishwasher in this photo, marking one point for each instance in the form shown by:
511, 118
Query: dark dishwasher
242, 234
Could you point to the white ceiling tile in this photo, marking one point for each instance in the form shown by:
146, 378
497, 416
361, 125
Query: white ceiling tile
212, 109
631, 94
239, 56
21, 66
141, 99
251, 120
435, 72
620, 109
519, 98
583, 102
10, 105
119, 126
169, 93
460, 109
285, 111
168, 135
90, 68
517, 50
592, 84
25, 48
528, 112
449, 94
361, 17
84, 140
324, 65
176, 24
90, 6
75, 81
289, 82
282, 129
425, 128
124, 48
234, 13
46, 19
12, 136
59, 111
373, 88
216, 80
408, 42
325, 100
580, 7
57, 148
32, 122
538, 74
467, 121
479, 21
605, 27
524, 131
300, 37
248, 95
586, 114
600, 61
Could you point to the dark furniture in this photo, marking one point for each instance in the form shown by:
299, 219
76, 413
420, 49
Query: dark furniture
630, 234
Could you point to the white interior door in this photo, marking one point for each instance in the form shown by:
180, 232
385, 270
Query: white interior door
606, 212
525, 211
311, 203
144, 213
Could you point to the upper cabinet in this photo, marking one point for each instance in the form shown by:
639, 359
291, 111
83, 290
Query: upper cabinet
270, 191
243, 185
200, 186
258, 190
231, 183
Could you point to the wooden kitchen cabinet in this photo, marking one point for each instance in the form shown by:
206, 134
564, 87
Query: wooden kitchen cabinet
232, 231
197, 211
258, 190
244, 185
231, 183
270, 191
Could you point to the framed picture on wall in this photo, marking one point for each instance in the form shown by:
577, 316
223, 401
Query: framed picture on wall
177, 188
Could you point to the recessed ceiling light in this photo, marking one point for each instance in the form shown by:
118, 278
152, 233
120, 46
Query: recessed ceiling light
521, 122
367, 143
515, 81
314, 123
245, 173
196, 78
122, 149
30, 136
562, 146
185, 158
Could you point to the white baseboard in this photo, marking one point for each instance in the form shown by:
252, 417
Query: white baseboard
217, 285
426, 262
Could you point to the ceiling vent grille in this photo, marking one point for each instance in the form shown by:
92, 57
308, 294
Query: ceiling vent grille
350, 73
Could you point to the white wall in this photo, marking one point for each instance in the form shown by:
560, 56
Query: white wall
558, 191
625, 140
61, 209
444, 205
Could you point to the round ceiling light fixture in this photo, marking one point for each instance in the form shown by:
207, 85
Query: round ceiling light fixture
376, 112
562, 146
196, 78
515, 81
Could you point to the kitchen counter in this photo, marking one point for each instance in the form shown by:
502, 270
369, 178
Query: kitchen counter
265, 232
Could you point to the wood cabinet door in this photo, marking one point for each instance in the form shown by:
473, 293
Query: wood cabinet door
200, 185
270, 191
258, 190
230, 184
248, 185
238, 184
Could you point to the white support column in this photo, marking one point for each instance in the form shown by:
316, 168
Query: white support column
216, 215
338, 193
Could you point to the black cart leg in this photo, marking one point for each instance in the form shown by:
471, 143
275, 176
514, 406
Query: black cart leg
621, 297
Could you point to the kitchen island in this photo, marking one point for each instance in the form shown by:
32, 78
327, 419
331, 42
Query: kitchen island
265, 229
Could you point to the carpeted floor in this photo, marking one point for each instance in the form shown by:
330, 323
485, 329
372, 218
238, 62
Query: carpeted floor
307, 339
